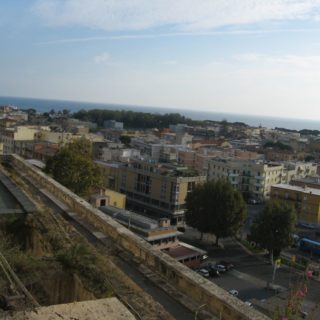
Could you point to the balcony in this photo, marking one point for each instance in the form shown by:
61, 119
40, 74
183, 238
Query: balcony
233, 174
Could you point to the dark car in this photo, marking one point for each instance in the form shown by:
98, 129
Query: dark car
214, 273
227, 265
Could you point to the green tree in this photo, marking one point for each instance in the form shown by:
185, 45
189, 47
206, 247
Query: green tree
278, 146
273, 228
195, 214
73, 167
216, 207
125, 140
132, 119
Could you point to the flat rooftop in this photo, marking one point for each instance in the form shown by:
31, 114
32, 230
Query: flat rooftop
314, 180
183, 251
304, 190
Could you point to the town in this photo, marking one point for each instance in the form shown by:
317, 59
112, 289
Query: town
145, 172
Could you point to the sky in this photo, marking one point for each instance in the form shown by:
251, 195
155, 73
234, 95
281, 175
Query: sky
257, 57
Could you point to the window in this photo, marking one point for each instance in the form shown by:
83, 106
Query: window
174, 194
123, 180
143, 184
191, 186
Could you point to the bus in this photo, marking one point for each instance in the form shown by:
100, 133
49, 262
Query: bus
310, 246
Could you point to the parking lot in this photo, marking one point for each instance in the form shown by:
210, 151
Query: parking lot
252, 273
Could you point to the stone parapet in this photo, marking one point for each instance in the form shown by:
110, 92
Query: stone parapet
202, 291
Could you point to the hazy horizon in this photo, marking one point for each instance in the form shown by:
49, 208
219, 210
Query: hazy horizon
43, 105
155, 107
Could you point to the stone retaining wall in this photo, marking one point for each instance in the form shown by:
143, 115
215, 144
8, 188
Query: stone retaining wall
26, 204
217, 300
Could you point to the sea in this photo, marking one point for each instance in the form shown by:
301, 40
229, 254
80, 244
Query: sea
43, 105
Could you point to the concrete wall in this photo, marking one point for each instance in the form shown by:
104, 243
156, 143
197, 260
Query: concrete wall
217, 300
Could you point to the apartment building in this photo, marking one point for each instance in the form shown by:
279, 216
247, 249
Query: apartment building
197, 160
254, 178
202, 159
112, 124
157, 151
305, 200
10, 136
152, 188
299, 169
310, 182
60, 138
186, 158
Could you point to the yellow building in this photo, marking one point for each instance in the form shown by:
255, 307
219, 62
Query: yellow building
9, 136
115, 199
60, 138
1, 148
151, 188
305, 200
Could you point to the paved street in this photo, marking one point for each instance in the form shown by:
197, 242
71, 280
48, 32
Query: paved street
252, 272
248, 287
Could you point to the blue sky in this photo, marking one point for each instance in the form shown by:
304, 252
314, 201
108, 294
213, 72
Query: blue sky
259, 57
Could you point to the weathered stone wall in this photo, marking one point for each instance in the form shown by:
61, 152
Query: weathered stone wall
217, 300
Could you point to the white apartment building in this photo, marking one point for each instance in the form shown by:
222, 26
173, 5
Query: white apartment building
254, 178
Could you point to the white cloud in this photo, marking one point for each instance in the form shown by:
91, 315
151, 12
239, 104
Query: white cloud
115, 15
102, 58
311, 62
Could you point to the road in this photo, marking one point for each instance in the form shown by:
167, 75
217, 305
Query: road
252, 272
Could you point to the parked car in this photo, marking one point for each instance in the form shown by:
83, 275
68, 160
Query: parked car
233, 292
204, 272
252, 201
220, 268
214, 273
227, 265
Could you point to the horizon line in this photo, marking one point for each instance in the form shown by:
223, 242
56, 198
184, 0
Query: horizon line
176, 109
